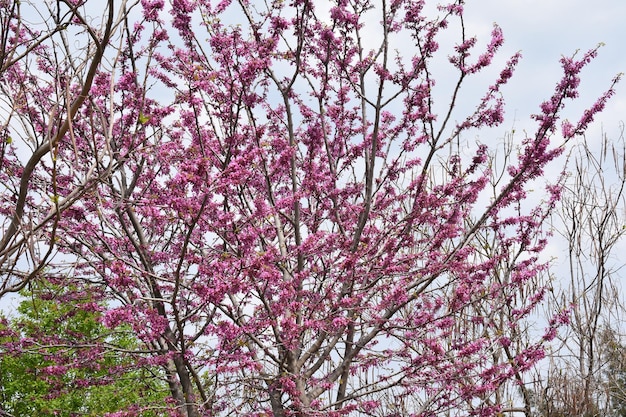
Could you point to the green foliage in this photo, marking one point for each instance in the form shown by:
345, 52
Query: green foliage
51, 363
615, 359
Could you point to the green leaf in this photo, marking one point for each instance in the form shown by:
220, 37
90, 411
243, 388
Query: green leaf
143, 119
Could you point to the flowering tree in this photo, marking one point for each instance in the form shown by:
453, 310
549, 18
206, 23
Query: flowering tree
294, 221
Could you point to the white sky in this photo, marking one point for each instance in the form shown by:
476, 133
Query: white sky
543, 30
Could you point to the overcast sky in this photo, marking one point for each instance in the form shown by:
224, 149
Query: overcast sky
546, 29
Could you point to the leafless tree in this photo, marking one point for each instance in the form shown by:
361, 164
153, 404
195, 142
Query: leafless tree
592, 222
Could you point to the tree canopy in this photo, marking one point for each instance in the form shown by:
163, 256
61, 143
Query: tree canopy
281, 204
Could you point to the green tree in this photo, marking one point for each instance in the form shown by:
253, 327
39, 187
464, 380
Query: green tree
614, 362
49, 367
